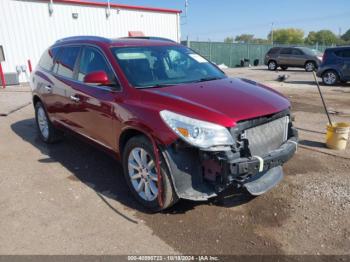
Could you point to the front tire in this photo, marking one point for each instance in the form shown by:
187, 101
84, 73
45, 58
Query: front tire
47, 132
330, 78
310, 66
272, 65
141, 175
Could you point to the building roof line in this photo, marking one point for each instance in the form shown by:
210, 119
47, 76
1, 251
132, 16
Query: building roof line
114, 5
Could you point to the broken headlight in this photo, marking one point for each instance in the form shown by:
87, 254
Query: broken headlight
196, 132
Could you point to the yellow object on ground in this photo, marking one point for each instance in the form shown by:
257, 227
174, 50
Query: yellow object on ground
337, 136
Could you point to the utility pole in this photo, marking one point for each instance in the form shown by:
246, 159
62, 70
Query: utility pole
339, 32
108, 10
272, 33
185, 13
186, 7
51, 7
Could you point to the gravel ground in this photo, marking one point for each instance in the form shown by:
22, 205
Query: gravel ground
70, 198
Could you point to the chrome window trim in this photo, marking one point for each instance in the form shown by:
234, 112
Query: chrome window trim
82, 45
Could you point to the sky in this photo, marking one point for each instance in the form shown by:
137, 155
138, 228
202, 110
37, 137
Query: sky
217, 19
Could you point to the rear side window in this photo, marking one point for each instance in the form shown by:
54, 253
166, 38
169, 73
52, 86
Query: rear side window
91, 61
273, 50
46, 60
297, 52
286, 51
345, 53
65, 62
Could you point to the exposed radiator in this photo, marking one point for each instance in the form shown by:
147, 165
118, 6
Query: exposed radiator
267, 137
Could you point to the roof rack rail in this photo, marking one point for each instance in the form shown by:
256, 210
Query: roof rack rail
84, 37
149, 38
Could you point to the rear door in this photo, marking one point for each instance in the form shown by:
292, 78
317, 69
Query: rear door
94, 105
64, 70
284, 57
44, 80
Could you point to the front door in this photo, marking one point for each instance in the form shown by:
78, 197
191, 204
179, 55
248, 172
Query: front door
94, 104
297, 58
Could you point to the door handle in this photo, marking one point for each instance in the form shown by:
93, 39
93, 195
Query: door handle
48, 88
74, 98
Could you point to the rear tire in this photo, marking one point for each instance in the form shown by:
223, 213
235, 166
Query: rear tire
141, 175
272, 65
330, 78
47, 132
310, 66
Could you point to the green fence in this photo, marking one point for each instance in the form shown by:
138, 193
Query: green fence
232, 54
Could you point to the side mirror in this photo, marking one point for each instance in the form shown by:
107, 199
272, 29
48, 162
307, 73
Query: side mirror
97, 78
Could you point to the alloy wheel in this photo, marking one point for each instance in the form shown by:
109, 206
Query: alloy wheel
309, 67
272, 65
43, 123
330, 78
142, 173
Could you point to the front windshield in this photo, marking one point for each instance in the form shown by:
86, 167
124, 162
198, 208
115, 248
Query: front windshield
157, 66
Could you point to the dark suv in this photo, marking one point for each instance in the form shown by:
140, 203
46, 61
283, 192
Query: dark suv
285, 57
179, 125
335, 66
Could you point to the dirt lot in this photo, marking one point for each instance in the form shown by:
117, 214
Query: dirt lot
70, 198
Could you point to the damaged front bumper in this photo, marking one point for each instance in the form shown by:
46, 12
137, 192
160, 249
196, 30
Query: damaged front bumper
257, 174
200, 175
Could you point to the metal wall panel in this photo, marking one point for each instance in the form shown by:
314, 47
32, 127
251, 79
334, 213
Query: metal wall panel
27, 29
232, 54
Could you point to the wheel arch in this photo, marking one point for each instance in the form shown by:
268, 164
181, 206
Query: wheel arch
127, 134
332, 70
310, 60
36, 99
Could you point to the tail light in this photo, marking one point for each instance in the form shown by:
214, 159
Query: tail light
324, 57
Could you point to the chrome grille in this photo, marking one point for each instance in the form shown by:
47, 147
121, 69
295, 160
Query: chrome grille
267, 137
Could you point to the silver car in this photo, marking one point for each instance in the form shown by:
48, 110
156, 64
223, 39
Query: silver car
285, 57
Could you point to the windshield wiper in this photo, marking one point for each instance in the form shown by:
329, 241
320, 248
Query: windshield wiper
156, 86
204, 79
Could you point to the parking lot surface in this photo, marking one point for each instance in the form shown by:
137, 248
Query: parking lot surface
70, 198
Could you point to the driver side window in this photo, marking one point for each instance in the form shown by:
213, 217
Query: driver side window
91, 61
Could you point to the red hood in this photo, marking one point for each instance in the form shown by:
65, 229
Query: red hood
224, 101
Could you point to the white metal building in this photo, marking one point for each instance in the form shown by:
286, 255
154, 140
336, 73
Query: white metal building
28, 27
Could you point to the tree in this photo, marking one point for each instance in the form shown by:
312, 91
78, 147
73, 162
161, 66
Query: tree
311, 39
326, 37
244, 38
346, 36
228, 40
260, 41
287, 36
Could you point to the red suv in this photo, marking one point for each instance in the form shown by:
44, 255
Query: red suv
179, 125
